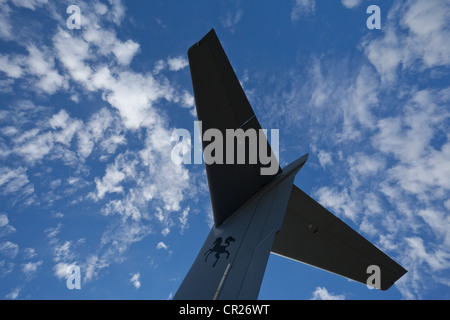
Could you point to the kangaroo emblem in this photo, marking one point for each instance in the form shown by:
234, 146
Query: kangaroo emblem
218, 248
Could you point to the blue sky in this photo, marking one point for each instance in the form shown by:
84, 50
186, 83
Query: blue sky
86, 117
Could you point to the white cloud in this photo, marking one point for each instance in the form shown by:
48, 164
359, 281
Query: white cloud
322, 293
105, 42
373, 204
11, 66
425, 176
53, 232
100, 8
324, 158
5, 23
362, 98
439, 222
14, 294
115, 241
38, 65
414, 37
117, 11
338, 201
30, 268
302, 8
231, 19
9, 249
132, 94
122, 168
421, 167
231, 14
5, 227
110, 182
84, 65
447, 204
103, 129
177, 63
3, 220
62, 252
73, 52
135, 280
161, 245
52, 137
427, 22
364, 164
165, 231
149, 175
92, 266
187, 100
29, 4
14, 180
61, 270
184, 218
125, 51
29, 253
385, 54
160, 65
126, 207
349, 101
67, 127
437, 260
171, 180
35, 148
44, 68
351, 3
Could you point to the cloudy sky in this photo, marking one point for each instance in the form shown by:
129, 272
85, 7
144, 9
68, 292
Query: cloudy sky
86, 122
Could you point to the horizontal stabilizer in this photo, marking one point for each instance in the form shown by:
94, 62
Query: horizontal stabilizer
312, 235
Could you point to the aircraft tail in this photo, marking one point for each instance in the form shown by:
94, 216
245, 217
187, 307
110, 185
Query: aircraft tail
255, 213
232, 261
